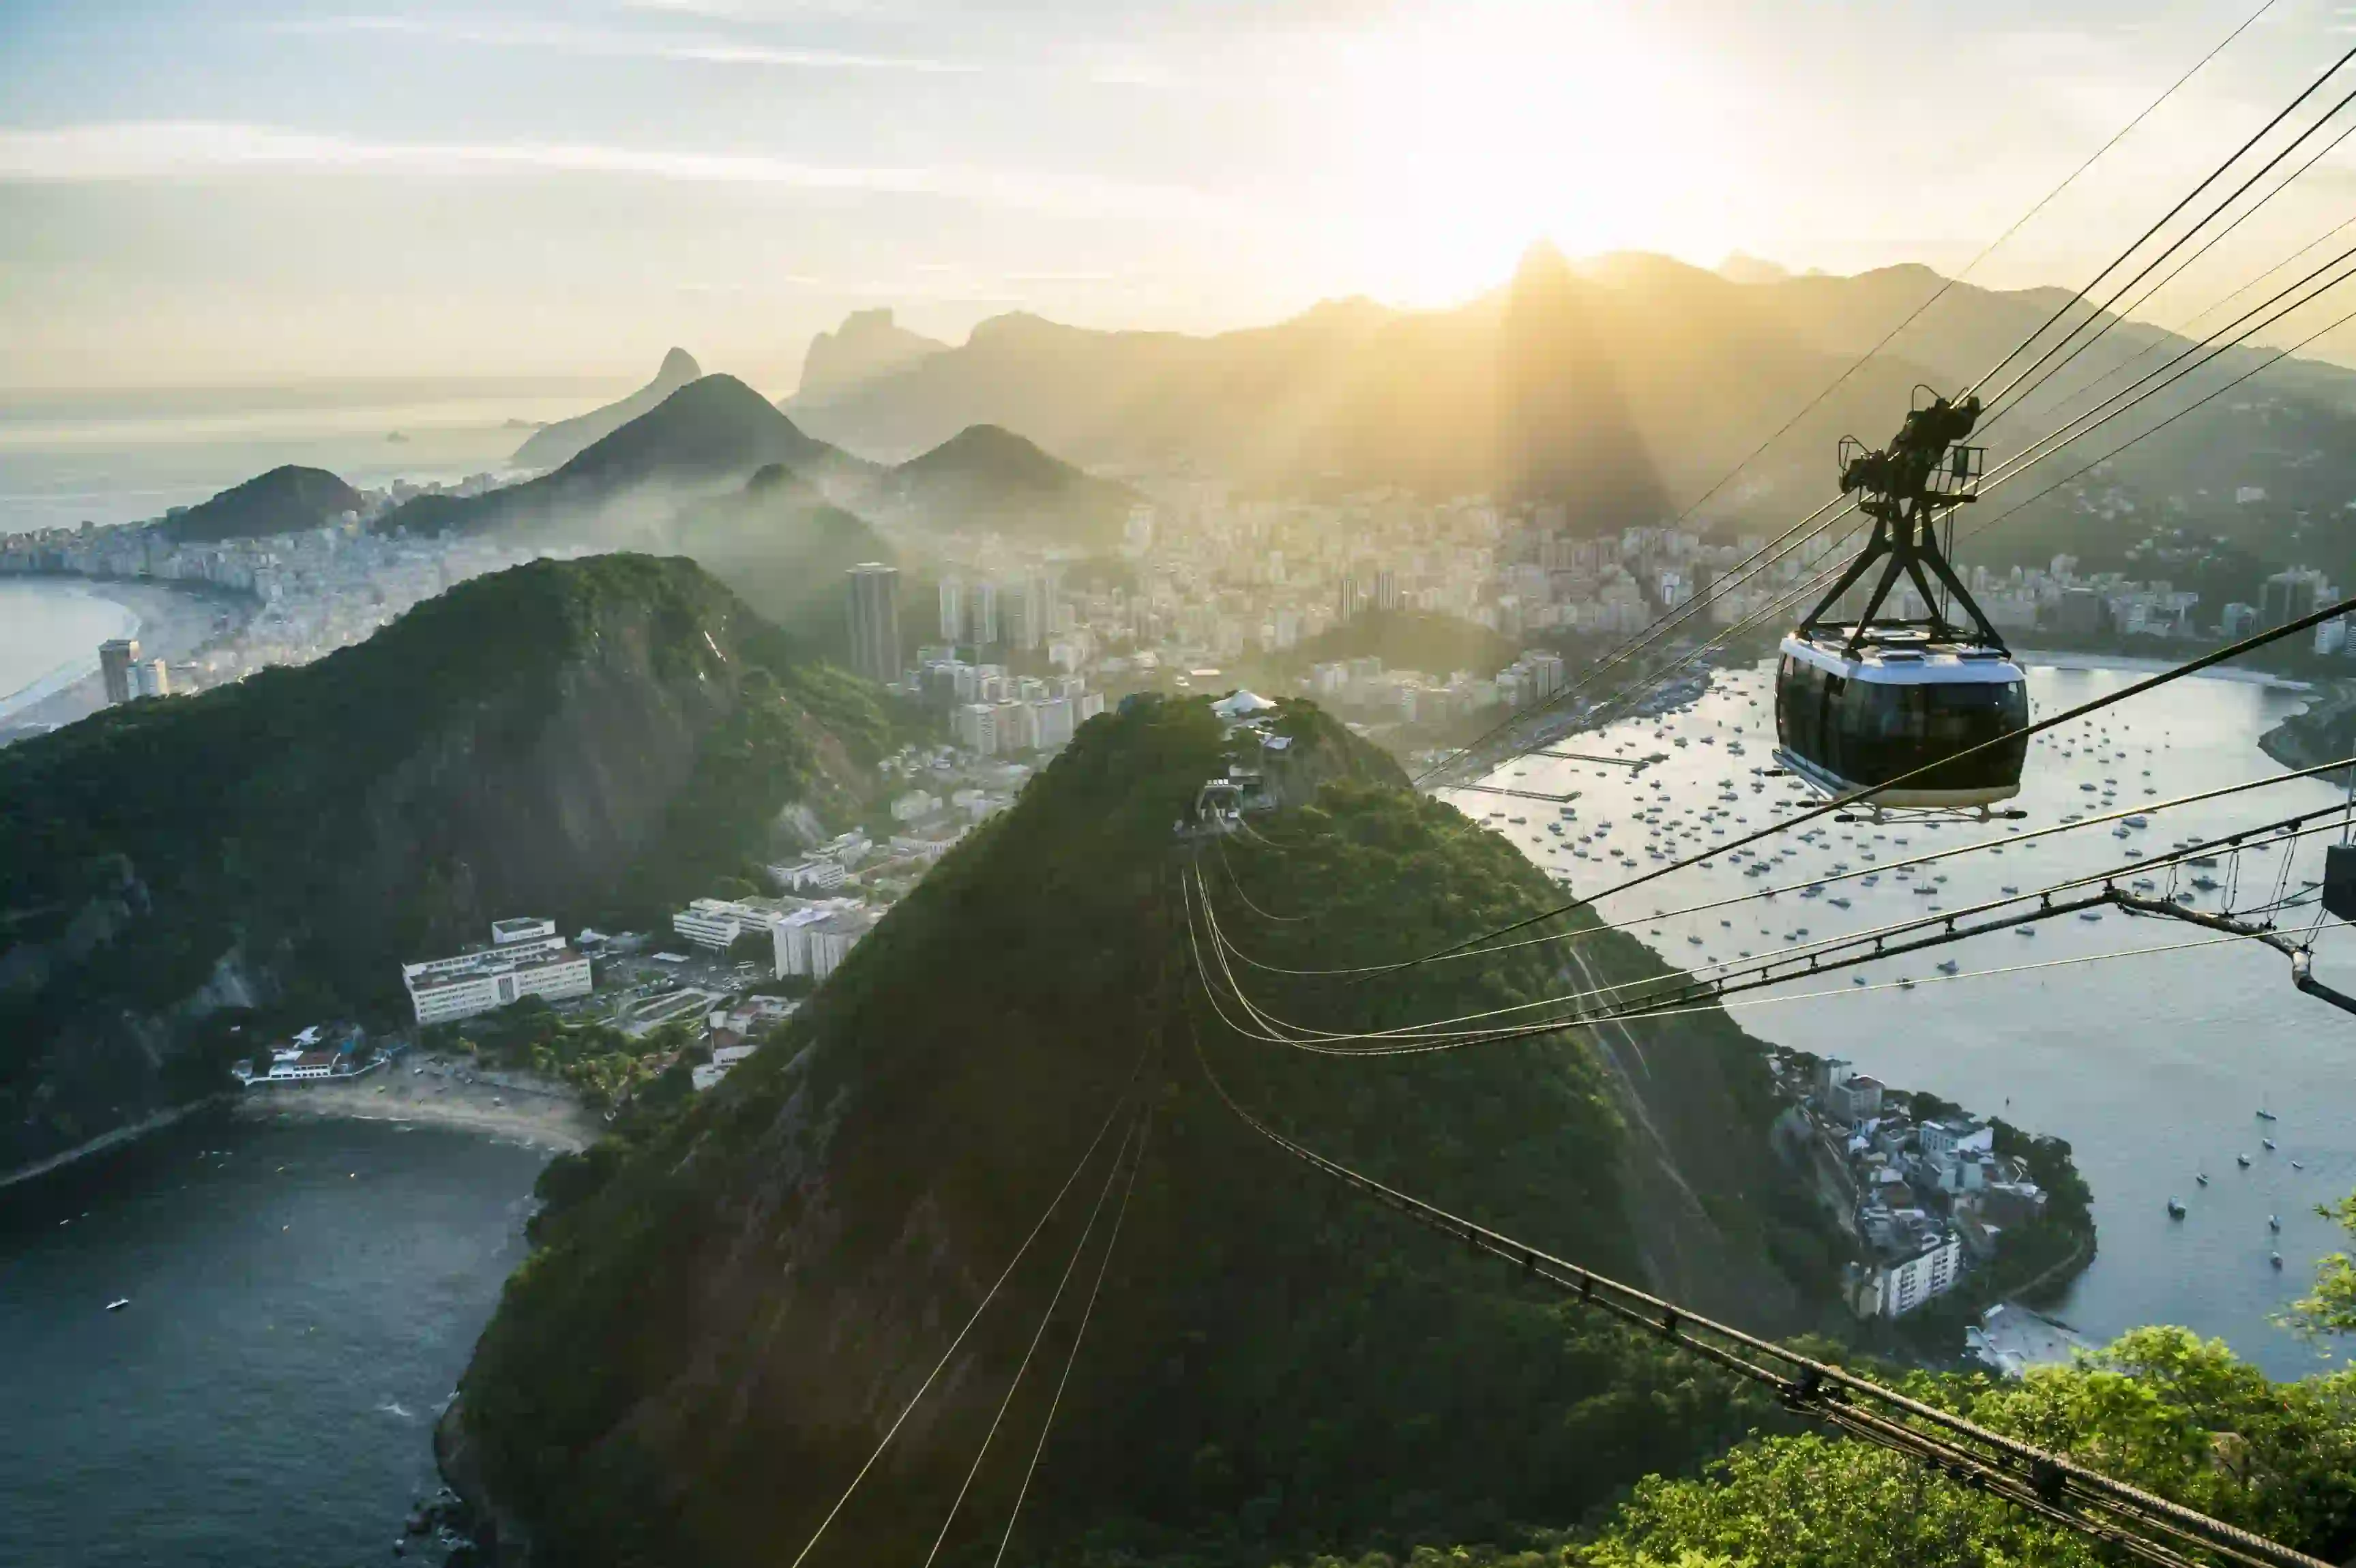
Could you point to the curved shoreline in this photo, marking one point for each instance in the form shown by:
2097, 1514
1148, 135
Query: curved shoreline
173, 621
543, 1119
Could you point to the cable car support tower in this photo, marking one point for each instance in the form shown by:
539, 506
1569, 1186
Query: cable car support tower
1911, 488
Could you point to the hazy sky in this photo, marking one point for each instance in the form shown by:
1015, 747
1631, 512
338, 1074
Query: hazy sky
207, 193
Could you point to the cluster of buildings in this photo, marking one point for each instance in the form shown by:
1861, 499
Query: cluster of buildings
1207, 580
1926, 1199
2059, 600
1362, 687
311, 592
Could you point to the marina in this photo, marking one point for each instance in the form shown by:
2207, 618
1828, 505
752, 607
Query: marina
2064, 1035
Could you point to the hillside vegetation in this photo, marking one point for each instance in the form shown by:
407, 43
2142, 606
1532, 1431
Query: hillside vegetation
722, 1318
288, 499
588, 740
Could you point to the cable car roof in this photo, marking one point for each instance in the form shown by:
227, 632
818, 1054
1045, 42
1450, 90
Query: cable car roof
1915, 664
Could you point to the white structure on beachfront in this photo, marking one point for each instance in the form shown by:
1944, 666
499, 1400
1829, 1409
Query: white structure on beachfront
525, 958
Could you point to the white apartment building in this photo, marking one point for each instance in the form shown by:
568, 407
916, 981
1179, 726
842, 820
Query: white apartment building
1896, 1289
527, 958
822, 876
716, 923
815, 941
975, 725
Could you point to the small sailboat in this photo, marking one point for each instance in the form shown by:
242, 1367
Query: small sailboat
2274, 1222
2265, 1115
1947, 966
2297, 1164
2275, 1259
118, 1304
2265, 1143
2176, 1208
2202, 1177
2242, 1160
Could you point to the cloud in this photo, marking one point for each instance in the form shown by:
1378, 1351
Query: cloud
155, 150
625, 45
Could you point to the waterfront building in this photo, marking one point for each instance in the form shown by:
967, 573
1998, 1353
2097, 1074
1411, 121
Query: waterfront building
116, 661
875, 621
1892, 1290
527, 958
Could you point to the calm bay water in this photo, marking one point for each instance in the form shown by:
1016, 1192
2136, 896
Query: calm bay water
49, 633
2152, 1066
304, 1297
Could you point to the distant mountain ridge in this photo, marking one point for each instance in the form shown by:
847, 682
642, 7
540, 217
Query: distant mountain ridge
287, 499
1648, 364
867, 344
558, 444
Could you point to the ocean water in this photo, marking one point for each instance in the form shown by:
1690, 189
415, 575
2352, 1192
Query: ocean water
304, 1296
49, 633
2152, 1065
68, 458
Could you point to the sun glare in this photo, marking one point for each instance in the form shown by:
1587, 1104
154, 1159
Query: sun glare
1473, 131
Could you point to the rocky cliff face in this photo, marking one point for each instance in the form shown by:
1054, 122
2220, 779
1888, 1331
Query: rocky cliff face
574, 740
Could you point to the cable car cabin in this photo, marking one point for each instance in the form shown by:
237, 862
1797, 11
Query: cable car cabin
1848, 720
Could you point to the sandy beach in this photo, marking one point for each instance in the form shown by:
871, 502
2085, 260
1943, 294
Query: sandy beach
548, 1119
173, 622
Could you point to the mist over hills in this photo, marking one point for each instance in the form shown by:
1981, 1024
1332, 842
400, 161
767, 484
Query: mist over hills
987, 477
558, 444
782, 545
710, 434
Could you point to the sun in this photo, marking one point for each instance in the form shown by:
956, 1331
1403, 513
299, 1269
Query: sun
1471, 129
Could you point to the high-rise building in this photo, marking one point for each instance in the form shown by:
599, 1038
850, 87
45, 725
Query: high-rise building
875, 621
152, 677
952, 609
2287, 596
1386, 591
982, 619
117, 662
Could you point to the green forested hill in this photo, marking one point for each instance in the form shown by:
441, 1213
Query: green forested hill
582, 740
285, 500
722, 1322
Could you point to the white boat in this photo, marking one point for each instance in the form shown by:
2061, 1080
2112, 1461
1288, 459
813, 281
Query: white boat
118, 1304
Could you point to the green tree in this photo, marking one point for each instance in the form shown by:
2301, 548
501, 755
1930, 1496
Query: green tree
2330, 1307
